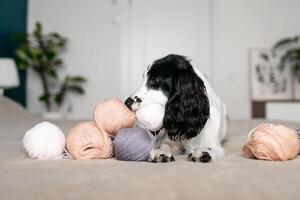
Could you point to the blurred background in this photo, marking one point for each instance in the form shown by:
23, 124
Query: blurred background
103, 47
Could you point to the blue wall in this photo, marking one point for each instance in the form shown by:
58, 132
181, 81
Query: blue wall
13, 19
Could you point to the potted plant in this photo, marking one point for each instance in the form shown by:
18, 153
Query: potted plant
40, 52
288, 50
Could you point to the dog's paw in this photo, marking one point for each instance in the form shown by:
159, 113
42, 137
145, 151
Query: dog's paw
159, 156
201, 155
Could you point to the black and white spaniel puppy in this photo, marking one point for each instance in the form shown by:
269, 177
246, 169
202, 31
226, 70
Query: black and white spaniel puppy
195, 120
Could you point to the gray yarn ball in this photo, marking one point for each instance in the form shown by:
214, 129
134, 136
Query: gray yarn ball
133, 144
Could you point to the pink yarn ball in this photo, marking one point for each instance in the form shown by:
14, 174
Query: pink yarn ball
272, 142
86, 141
112, 115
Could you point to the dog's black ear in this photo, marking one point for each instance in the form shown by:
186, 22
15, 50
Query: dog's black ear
187, 109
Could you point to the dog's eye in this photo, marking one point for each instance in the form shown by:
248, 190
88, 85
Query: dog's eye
154, 82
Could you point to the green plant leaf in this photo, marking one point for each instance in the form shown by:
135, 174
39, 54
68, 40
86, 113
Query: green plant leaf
37, 33
34, 52
285, 42
50, 55
58, 99
21, 54
44, 97
22, 64
290, 55
55, 43
54, 35
77, 79
52, 73
60, 44
57, 62
76, 88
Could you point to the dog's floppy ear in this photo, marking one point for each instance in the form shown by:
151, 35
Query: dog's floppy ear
187, 109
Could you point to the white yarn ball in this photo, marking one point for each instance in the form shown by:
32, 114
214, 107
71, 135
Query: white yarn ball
44, 141
150, 117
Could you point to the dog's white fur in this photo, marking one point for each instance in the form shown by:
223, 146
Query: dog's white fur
211, 136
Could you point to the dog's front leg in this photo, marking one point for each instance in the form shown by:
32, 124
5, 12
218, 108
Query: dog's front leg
165, 152
207, 146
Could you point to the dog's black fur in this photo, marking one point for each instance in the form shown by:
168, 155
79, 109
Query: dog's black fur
187, 109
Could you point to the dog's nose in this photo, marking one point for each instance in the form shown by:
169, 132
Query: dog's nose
129, 102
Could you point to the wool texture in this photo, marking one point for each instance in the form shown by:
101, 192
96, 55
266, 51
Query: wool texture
272, 142
133, 144
112, 115
86, 141
44, 141
150, 117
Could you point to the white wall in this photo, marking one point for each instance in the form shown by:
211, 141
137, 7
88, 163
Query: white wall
216, 34
239, 25
93, 51
158, 28
113, 41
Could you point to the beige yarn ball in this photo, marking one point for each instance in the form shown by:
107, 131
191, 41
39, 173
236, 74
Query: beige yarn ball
86, 141
272, 142
112, 115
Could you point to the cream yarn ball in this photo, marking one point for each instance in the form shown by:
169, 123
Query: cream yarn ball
150, 117
44, 141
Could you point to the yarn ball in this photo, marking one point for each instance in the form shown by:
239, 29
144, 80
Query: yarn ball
133, 144
44, 141
112, 115
272, 142
86, 141
150, 117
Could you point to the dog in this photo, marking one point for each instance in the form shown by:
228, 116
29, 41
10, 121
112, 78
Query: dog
195, 120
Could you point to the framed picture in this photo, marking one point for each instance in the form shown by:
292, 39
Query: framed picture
267, 81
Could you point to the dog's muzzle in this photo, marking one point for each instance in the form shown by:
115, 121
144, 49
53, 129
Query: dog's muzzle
129, 101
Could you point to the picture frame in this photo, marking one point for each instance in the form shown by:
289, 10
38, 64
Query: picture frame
267, 81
